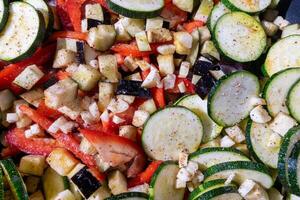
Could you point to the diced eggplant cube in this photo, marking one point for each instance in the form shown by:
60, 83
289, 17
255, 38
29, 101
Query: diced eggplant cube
102, 37
33, 165
63, 58
209, 48
122, 34
132, 88
148, 106
32, 183
204, 34
33, 97
183, 42
133, 26
166, 24
87, 24
117, 182
6, 99
159, 35
61, 93
86, 77
204, 10
94, 11
29, 77
154, 23
80, 52
109, 67
166, 64
85, 182
142, 41
106, 93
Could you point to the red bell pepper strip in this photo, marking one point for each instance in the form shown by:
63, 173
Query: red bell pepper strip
173, 14
63, 15
40, 57
145, 176
46, 111
35, 146
158, 94
67, 141
9, 151
191, 26
129, 50
68, 34
61, 75
117, 150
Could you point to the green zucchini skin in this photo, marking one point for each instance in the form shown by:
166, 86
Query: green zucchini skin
129, 195
218, 191
1, 184
15, 180
292, 103
294, 185
4, 14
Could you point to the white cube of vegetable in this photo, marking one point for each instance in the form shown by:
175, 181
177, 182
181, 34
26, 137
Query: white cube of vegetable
6, 99
142, 41
109, 67
29, 77
139, 118
36, 130
204, 10
12, 117
159, 35
102, 165
260, 115
117, 120
68, 111
226, 142
64, 58
169, 81
87, 117
280, 22
117, 106
256, 101
87, 147
229, 179
246, 187
67, 43
128, 131
117, 182
144, 188
34, 97
133, 26
94, 110
166, 64
181, 87
166, 49
143, 65
274, 140
184, 69
282, 123
198, 177
183, 42
152, 80
204, 34
86, 77
195, 79
192, 167
62, 161
184, 175
128, 98
269, 27
65, 195
134, 77
61, 93
102, 37
209, 48
217, 74
55, 126
183, 159
148, 105
68, 127
94, 11
122, 34
180, 184
130, 63
154, 23
106, 93
33, 165
236, 133
258, 192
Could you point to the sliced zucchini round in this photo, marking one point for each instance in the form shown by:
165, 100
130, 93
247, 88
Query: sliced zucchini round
288, 143
170, 131
206, 186
257, 136
247, 6
129, 196
3, 13
140, 9
292, 197
243, 170
293, 170
221, 193
293, 100
210, 156
46, 11
211, 130
53, 183
240, 37
218, 11
1, 184
282, 55
162, 185
229, 102
276, 90
14, 179
23, 33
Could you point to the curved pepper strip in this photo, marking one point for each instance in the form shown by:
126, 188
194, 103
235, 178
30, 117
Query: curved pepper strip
68, 34
68, 141
35, 146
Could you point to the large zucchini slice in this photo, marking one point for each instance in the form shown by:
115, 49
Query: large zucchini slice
246, 5
293, 170
129, 196
293, 100
3, 13
23, 33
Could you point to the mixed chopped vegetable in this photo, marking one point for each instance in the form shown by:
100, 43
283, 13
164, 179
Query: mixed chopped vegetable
148, 99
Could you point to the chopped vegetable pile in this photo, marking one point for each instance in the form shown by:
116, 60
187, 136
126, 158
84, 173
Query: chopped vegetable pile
148, 99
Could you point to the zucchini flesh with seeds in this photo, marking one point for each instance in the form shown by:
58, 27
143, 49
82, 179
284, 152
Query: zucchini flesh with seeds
282, 55
277, 88
288, 143
14, 179
221, 193
240, 37
229, 102
243, 170
218, 11
257, 136
210, 156
23, 32
140, 9
293, 101
246, 5
162, 185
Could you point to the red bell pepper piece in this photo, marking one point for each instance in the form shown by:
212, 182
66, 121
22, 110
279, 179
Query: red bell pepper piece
40, 57
145, 176
68, 34
63, 15
129, 50
46, 111
9, 151
35, 146
173, 14
190, 88
67, 141
117, 150
191, 26
61, 75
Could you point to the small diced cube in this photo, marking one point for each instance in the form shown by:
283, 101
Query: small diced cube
236, 133
102, 165
94, 11
29, 77
36, 130
55, 126
142, 41
184, 69
260, 115
33, 97
246, 187
94, 110
154, 23
153, 79
122, 34
143, 65
166, 49
226, 142
181, 86
133, 26
128, 98
117, 106
87, 147
130, 63
282, 123
118, 120
109, 67
184, 175
86, 77
128, 131
183, 159
102, 37
204, 34
32, 164
139, 118
106, 93
117, 182
12, 117
148, 106
192, 167
183, 42
68, 127
180, 184
169, 81
269, 27
166, 64
64, 58
159, 35
144, 188
209, 48
280, 22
